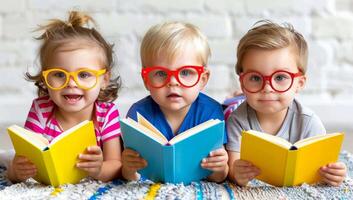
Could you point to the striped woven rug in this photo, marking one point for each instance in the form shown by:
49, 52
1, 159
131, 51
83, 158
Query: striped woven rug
118, 189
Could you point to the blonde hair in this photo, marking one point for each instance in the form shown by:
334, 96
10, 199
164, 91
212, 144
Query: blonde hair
74, 32
271, 36
170, 39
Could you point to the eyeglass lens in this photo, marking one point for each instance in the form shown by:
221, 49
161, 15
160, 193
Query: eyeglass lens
57, 78
185, 76
279, 81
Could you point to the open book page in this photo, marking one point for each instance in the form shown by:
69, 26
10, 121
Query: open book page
313, 139
68, 132
158, 137
144, 122
194, 130
271, 138
35, 139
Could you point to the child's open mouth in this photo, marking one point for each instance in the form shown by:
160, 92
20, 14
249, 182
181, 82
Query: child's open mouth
73, 98
173, 95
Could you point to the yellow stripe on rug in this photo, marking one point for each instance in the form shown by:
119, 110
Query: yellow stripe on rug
152, 192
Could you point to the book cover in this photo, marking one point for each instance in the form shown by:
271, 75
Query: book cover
285, 164
177, 160
55, 162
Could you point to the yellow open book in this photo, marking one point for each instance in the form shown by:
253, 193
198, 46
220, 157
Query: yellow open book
55, 162
285, 164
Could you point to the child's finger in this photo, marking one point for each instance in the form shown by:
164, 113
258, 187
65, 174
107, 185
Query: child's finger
242, 163
251, 170
333, 171
251, 176
215, 169
130, 158
21, 160
26, 167
94, 150
330, 182
218, 152
29, 173
24, 174
129, 152
331, 177
215, 159
213, 164
247, 176
89, 164
247, 169
90, 157
134, 159
137, 165
337, 165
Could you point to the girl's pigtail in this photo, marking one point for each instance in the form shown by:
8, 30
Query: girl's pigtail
54, 27
79, 19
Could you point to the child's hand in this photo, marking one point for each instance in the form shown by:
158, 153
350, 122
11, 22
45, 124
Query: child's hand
131, 163
244, 172
235, 93
217, 161
333, 173
91, 161
21, 169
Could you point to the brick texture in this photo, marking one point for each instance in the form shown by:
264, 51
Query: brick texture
326, 24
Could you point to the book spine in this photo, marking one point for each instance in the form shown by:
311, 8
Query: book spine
289, 174
50, 167
169, 164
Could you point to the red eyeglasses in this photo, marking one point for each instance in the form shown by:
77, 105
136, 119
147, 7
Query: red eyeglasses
280, 80
157, 76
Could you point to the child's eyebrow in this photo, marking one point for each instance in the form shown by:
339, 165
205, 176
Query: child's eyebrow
284, 68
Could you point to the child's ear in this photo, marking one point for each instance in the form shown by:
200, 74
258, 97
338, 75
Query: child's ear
106, 79
301, 83
145, 83
241, 85
205, 76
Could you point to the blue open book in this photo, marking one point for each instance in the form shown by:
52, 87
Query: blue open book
177, 160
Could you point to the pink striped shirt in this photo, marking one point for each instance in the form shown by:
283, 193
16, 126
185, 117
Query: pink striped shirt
41, 120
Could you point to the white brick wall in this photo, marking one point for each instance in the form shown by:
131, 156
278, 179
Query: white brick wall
326, 24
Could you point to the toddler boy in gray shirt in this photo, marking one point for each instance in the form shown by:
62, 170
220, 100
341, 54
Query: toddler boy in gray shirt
272, 64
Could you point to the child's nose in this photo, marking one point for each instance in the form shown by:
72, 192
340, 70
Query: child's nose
173, 81
72, 82
267, 86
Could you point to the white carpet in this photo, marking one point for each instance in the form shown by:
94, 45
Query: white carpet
91, 189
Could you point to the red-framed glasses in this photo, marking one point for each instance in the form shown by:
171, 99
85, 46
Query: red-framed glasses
280, 80
158, 76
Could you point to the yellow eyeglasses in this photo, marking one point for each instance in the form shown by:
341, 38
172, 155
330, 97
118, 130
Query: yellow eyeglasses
86, 79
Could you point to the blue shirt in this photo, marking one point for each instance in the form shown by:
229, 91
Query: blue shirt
202, 109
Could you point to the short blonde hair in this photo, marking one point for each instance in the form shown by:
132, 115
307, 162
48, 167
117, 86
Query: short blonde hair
170, 39
270, 36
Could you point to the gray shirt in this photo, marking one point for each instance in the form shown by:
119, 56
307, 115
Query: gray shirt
299, 123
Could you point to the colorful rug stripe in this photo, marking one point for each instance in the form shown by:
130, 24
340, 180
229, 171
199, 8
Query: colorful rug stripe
198, 190
229, 188
102, 190
152, 193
